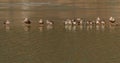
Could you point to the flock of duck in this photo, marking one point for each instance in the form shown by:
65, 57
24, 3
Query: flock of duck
69, 22
77, 21
98, 21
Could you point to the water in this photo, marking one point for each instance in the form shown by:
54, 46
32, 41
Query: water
58, 43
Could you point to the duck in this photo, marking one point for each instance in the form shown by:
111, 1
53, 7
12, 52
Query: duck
27, 21
65, 22
98, 20
49, 22
74, 22
40, 21
68, 22
87, 22
112, 20
93, 22
78, 19
90, 22
102, 22
80, 22
7, 22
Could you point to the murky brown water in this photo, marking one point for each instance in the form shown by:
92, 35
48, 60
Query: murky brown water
58, 43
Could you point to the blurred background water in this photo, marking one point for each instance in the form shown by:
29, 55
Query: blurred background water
58, 43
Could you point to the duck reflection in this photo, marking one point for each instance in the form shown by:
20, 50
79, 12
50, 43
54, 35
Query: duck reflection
89, 27
41, 28
74, 28
49, 27
7, 25
97, 27
103, 27
70, 27
111, 28
27, 27
81, 27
